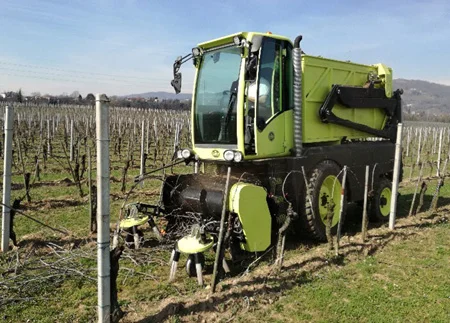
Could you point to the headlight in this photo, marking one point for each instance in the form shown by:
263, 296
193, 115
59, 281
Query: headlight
179, 155
196, 51
238, 156
237, 40
185, 153
228, 155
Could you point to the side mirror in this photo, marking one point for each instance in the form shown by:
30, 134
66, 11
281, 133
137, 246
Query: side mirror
176, 82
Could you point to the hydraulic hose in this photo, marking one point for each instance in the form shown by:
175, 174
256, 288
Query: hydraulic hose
297, 58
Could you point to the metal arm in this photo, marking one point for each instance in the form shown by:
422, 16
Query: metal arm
362, 98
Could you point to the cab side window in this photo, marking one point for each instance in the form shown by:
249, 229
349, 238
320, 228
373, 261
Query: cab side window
269, 83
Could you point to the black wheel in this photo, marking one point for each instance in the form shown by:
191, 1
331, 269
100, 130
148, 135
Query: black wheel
380, 204
324, 186
190, 264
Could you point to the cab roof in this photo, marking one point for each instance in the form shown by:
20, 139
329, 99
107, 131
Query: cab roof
245, 34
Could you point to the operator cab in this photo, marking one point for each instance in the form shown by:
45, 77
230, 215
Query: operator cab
243, 97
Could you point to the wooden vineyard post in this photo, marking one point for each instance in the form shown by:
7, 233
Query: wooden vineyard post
103, 209
6, 215
49, 143
37, 171
341, 210
93, 220
396, 175
423, 189
71, 140
444, 168
119, 140
438, 171
147, 144
364, 219
142, 166
53, 127
419, 146
408, 141
328, 221
434, 201
415, 191
219, 249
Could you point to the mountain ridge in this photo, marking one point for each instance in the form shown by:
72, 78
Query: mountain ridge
419, 96
162, 95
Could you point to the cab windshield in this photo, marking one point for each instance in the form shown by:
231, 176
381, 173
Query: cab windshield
216, 96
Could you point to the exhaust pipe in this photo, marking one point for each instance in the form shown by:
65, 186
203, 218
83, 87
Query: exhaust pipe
297, 58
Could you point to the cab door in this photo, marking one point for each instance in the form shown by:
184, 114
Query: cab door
270, 116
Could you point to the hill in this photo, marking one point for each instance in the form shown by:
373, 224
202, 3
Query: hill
161, 95
422, 96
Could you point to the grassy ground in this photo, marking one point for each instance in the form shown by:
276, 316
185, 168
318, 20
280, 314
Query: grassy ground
405, 281
394, 276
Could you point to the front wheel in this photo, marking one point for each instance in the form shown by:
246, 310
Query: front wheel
324, 187
380, 206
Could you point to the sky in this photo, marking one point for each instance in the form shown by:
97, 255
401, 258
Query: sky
124, 47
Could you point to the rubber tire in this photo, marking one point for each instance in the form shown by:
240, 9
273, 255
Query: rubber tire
190, 264
314, 222
375, 214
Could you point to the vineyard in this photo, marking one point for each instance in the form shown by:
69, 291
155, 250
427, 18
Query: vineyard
50, 273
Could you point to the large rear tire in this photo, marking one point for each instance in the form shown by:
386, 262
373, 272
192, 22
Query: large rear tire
324, 186
380, 205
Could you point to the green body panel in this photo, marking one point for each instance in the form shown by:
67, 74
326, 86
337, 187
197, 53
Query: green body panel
319, 74
289, 131
248, 201
282, 127
270, 141
215, 154
192, 244
385, 74
131, 222
220, 41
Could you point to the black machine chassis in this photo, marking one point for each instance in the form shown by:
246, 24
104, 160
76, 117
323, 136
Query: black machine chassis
354, 155
282, 178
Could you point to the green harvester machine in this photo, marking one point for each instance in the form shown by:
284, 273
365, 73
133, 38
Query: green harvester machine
273, 127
